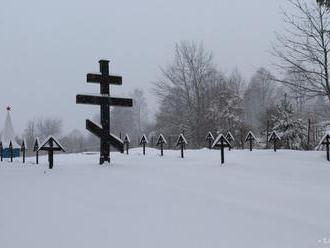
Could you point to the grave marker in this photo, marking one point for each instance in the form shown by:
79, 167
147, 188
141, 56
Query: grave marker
250, 138
160, 142
182, 142
275, 139
126, 143
326, 141
105, 101
35, 149
230, 138
210, 139
1, 151
143, 142
11, 151
50, 145
221, 142
23, 148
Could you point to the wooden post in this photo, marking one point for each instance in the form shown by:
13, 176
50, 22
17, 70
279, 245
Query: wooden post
51, 155
1, 151
222, 153
23, 151
242, 138
11, 151
126, 143
35, 149
267, 133
250, 145
326, 141
143, 142
308, 134
181, 142
161, 149
275, 145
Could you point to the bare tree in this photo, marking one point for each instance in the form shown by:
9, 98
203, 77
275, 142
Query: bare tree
30, 132
49, 126
303, 49
183, 90
324, 2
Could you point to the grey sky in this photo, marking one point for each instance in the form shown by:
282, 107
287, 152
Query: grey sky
47, 47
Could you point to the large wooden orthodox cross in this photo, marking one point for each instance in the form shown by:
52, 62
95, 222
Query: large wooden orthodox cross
105, 101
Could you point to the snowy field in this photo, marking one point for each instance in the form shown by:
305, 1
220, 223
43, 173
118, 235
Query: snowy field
258, 199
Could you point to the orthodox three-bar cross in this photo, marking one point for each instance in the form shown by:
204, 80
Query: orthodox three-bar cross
105, 101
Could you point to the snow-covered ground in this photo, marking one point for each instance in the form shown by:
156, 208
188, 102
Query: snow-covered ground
258, 199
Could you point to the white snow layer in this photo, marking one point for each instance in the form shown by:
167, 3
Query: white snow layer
258, 199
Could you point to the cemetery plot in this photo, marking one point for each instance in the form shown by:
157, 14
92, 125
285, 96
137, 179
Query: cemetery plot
127, 141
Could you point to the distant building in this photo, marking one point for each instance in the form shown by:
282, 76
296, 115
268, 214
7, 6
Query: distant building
7, 136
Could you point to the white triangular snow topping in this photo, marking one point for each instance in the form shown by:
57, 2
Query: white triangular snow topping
272, 134
127, 139
210, 135
181, 136
250, 134
161, 137
145, 139
230, 135
218, 139
323, 138
45, 143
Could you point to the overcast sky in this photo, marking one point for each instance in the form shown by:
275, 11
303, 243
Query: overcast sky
47, 47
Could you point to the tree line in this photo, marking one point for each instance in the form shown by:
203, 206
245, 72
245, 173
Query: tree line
195, 96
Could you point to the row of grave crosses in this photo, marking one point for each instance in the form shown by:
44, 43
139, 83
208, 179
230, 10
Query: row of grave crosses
50, 145
161, 141
226, 141
220, 142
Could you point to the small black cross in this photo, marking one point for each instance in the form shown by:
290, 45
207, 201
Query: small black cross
182, 142
250, 138
326, 141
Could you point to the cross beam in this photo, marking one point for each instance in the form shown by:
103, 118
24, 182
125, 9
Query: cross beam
101, 100
105, 79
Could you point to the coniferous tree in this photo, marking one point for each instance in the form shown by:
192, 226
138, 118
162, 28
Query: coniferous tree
292, 130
